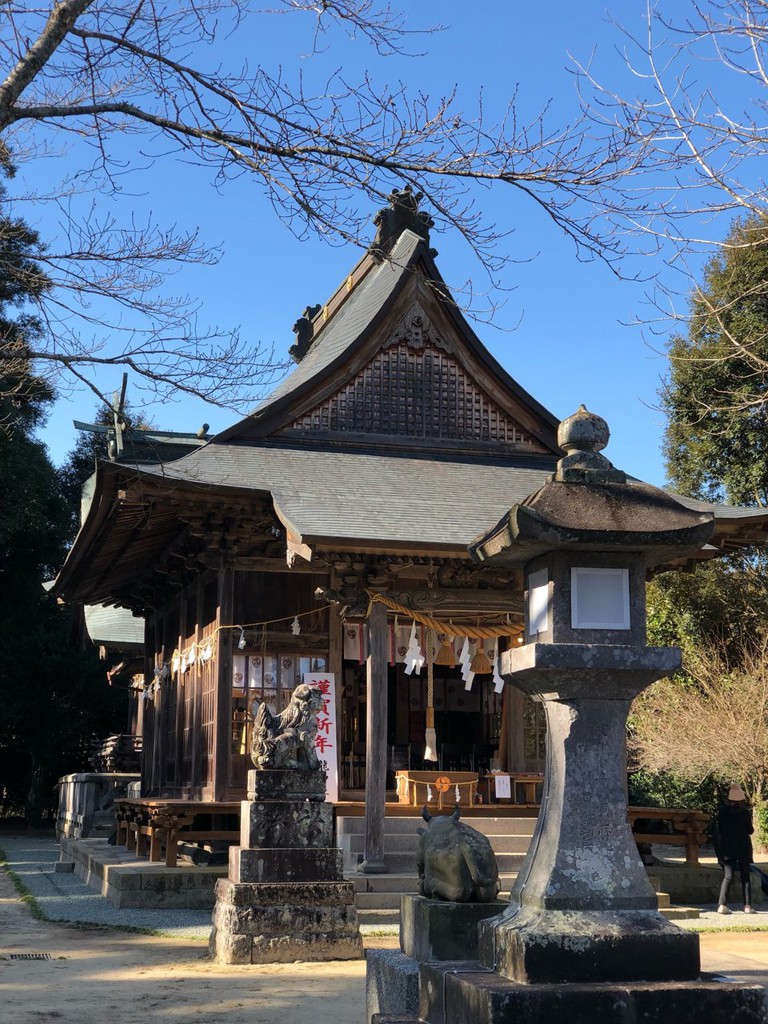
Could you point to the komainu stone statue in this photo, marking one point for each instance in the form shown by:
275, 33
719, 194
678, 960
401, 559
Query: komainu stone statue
287, 740
455, 862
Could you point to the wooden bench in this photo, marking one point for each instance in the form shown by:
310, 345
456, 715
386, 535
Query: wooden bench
166, 823
689, 828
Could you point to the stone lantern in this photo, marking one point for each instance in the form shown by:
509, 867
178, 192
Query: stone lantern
582, 910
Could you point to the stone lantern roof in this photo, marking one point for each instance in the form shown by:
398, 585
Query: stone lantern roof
623, 514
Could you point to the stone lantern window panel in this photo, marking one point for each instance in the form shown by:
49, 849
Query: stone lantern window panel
538, 603
599, 598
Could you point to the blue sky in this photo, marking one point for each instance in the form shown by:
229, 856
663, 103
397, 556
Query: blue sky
563, 329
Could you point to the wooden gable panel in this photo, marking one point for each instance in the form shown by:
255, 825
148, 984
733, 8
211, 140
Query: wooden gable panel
422, 393
416, 387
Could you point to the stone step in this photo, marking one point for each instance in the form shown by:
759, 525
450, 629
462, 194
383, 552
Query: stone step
384, 907
406, 862
389, 899
385, 918
354, 842
405, 881
680, 913
407, 825
366, 901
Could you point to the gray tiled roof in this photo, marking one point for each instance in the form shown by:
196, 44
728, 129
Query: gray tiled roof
346, 325
721, 511
382, 498
362, 496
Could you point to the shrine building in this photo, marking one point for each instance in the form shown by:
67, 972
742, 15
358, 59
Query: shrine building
327, 532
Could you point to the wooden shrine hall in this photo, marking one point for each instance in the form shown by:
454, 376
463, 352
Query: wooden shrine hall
328, 532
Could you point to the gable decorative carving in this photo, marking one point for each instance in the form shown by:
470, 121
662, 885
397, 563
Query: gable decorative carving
415, 330
416, 389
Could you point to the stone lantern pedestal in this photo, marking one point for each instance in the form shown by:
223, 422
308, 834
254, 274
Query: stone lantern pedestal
582, 940
582, 908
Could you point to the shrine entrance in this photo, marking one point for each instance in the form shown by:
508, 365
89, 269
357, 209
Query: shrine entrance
468, 724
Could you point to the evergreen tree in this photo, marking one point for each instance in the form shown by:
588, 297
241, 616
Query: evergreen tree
716, 395
53, 694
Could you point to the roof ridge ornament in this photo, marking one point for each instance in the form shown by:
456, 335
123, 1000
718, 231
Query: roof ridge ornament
582, 437
304, 330
401, 215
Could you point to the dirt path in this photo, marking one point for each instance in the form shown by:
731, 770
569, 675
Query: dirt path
95, 976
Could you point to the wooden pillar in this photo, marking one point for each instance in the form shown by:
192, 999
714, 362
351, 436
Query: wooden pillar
147, 735
197, 702
183, 681
336, 665
222, 721
376, 740
512, 756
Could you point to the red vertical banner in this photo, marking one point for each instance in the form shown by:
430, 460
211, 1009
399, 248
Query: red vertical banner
325, 742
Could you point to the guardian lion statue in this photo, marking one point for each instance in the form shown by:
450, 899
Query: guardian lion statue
455, 862
287, 740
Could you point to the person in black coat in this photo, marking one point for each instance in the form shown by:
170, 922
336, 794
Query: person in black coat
733, 846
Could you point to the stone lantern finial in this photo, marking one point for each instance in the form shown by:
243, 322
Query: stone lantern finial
583, 436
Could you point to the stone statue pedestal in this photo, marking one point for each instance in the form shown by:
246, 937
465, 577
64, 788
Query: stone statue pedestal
285, 898
430, 931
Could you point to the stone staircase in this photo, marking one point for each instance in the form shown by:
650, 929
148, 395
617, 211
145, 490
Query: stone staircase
377, 897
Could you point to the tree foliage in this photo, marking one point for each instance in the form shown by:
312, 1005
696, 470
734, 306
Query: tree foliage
716, 394
714, 727
722, 603
53, 694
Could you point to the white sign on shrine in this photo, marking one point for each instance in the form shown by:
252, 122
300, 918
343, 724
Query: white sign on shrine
325, 742
503, 787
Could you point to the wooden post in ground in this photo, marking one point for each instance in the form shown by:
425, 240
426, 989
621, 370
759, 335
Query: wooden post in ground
376, 740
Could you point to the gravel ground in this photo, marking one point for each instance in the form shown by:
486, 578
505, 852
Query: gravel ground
64, 897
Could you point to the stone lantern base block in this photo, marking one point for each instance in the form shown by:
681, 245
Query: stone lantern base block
440, 930
460, 991
284, 922
536, 946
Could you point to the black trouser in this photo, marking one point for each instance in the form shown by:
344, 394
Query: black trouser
746, 885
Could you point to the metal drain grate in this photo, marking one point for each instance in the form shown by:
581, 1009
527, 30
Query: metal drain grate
30, 956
